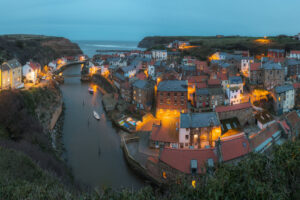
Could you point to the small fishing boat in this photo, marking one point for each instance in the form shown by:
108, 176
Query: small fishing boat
96, 115
91, 91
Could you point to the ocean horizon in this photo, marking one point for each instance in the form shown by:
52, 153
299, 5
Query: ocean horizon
90, 47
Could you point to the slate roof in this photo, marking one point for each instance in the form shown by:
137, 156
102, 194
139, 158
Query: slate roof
233, 107
283, 88
173, 85
180, 159
292, 62
142, 84
235, 80
277, 50
202, 91
271, 65
119, 76
14, 63
198, 120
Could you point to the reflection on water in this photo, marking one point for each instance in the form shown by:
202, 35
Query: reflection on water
92, 147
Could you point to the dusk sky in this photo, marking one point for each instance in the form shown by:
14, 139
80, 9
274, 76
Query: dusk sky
134, 19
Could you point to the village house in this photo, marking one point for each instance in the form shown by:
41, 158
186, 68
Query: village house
255, 74
283, 98
234, 90
264, 119
245, 65
172, 95
143, 94
276, 53
11, 74
128, 71
293, 68
160, 54
31, 71
273, 75
208, 98
163, 136
198, 130
295, 54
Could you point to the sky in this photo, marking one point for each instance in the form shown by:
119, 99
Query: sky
131, 20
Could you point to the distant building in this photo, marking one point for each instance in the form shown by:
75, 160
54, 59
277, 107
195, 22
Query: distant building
284, 98
276, 53
31, 70
293, 67
234, 90
245, 65
295, 54
199, 130
273, 75
160, 54
255, 73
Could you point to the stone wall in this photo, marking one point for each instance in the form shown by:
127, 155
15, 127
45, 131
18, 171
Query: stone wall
55, 116
243, 115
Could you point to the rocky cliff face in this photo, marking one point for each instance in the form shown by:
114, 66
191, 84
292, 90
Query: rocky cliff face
39, 48
149, 42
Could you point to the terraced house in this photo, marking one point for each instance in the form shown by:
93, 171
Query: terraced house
11, 74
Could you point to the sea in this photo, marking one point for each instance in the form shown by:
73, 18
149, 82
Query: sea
89, 47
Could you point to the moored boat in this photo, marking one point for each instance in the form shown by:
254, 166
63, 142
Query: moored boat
96, 115
91, 91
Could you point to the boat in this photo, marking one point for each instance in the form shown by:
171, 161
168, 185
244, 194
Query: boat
91, 91
96, 115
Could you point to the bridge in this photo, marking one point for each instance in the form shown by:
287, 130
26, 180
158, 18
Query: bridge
63, 67
72, 75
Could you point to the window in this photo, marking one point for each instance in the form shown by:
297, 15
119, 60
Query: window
168, 94
182, 94
186, 137
175, 93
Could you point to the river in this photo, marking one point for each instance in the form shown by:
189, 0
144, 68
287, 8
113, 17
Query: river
92, 147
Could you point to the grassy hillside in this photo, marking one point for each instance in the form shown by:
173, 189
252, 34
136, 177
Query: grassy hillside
39, 48
208, 45
274, 176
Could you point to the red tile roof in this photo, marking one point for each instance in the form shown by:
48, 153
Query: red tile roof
141, 76
296, 85
295, 52
163, 134
254, 66
34, 66
260, 137
197, 79
293, 119
222, 76
214, 82
234, 146
201, 85
233, 107
180, 159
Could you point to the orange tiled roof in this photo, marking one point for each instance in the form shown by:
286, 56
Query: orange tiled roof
163, 134
180, 159
234, 146
233, 107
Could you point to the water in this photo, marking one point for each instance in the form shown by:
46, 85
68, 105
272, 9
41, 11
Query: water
89, 47
92, 147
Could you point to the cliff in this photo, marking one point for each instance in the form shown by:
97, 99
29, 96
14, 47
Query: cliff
149, 42
39, 48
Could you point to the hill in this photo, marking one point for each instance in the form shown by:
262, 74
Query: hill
209, 44
39, 48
